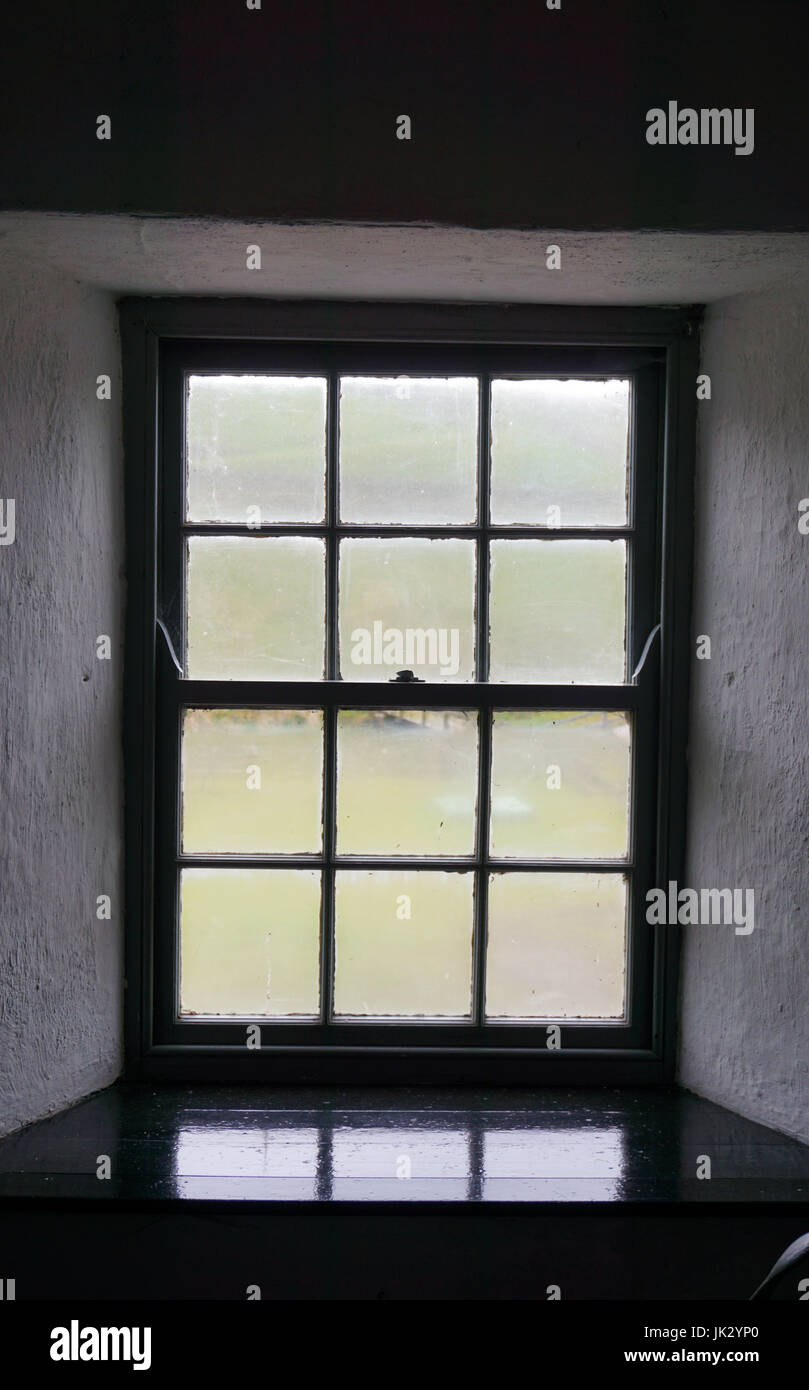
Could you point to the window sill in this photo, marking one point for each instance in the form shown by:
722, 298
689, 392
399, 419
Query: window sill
403, 1146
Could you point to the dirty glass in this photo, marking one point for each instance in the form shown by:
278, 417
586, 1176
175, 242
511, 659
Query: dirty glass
407, 605
255, 608
403, 944
408, 449
560, 452
557, 611
560, 784
406, 781
556, 945
252, 781
249, 942
255, 449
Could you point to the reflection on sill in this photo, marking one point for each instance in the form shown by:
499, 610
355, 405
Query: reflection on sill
425, 1161
401, 1146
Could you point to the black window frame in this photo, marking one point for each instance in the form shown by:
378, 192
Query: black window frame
162, 339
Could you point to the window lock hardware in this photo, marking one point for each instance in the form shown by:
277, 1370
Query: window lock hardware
406, 678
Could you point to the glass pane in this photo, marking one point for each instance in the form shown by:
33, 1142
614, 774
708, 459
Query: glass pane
256, 448
560, 784
250, 942
559, 452
406, 781
557, 611
408, 449
556, 946
252, 781
407, 604
403, 944
255, 608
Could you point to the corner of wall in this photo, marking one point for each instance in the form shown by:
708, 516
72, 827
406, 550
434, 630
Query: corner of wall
61, 589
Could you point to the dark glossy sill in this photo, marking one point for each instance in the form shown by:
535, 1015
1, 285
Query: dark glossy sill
343, 1145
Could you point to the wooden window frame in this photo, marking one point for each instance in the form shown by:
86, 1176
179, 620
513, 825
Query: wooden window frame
162, 339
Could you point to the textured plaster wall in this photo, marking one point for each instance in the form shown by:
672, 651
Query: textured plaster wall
744, 1034
744, 1007
61, 798
326, 260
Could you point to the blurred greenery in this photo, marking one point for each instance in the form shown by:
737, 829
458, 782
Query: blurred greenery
418, 964
255, 608
249, 938
408, 449
586, 814
560, 444
399, 775
556, 946
256, 441
557, 611
414, 784
250, 942
222, 813
403, 584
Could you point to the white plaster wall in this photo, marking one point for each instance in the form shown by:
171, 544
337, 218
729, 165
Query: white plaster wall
207, 256
744, 1036
744, 1029
61, 796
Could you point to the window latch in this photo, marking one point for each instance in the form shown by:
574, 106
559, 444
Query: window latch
650, 640
406, 678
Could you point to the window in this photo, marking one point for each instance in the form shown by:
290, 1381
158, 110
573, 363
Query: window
401, 711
